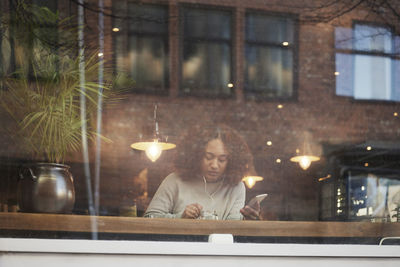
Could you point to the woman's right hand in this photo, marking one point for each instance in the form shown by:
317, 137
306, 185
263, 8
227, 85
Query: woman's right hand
192, 211
251, 212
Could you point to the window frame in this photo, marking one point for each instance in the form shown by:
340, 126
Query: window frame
203, 93
165, 40
354, 52
256, 95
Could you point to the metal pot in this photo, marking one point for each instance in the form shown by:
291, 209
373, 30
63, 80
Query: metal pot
46, 188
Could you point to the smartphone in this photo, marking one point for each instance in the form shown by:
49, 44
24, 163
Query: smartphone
256, 199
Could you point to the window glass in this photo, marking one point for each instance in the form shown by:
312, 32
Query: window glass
372, 38
269, 56
271, 76
269, 29
372, 79
50, 4
207, 24
35, 43
367, 70
45, 37
6, 52
243, 118
206, 59
141, 45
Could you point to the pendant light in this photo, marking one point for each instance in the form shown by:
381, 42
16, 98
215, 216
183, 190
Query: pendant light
154, 148
304, 157
251, 177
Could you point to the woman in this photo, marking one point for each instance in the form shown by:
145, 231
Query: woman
210, 164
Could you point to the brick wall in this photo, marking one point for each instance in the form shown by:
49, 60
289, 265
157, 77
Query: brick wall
331, 119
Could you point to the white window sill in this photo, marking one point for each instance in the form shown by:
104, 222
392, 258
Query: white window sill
22, 245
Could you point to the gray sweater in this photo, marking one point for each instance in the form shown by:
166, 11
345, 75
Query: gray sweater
174, 194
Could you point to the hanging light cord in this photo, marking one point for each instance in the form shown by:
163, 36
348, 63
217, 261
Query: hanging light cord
211, 196
157, 133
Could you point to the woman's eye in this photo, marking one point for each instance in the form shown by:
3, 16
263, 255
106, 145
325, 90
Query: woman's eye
209, 157
222, 160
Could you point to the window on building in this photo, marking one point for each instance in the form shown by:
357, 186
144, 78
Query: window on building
45, 39
29, 37
269, 56
5, 47
141, 45
207, 52
367, 59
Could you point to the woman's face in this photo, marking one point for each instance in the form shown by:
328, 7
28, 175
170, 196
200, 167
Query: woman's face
214, 161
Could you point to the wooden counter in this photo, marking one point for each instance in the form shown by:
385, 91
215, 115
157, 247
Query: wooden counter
131, 225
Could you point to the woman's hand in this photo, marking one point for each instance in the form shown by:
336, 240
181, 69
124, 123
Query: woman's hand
251, 212
192, 211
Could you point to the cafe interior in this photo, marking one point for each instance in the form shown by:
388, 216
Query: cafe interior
105, 92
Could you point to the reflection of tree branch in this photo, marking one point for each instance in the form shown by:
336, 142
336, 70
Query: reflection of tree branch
328, 16
324, 11
392, 9
89, 7
93, 8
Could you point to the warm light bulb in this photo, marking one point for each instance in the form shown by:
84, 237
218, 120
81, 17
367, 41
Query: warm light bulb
153, 152
115, 29
305, 162
250, 182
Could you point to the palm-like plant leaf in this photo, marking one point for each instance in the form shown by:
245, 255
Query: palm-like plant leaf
47, 109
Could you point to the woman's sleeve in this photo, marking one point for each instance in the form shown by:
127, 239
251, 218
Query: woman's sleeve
161, 206
239, 197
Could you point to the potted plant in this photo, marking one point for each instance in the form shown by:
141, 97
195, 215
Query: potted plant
43, 99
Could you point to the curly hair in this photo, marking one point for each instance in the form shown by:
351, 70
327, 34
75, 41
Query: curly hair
191, 149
